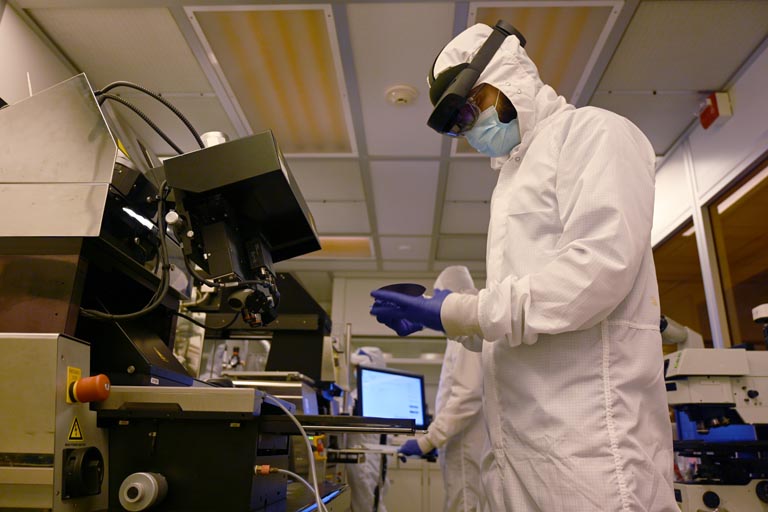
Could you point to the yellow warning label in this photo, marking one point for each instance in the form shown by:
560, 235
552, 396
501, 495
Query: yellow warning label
75, 434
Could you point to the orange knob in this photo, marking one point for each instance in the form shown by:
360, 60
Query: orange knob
90, 389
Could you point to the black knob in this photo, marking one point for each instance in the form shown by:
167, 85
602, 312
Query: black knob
753, 393
711, 499
761, 489
83, 472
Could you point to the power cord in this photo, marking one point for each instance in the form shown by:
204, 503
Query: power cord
310, 456
200, 324
266, 469
143, 116
165, 274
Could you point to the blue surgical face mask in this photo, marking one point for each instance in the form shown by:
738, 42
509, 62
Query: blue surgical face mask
492, 137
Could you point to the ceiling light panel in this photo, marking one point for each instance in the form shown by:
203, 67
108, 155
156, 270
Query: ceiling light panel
404, 195
282, 65
395, 43
342, 247
142, 45
562, 36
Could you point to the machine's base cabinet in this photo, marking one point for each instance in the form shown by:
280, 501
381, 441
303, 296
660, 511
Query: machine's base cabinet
414, 486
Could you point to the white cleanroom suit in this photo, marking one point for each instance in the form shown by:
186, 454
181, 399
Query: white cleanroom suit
458, 429
365, 479
574, 394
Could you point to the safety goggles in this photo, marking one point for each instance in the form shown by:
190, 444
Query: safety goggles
466, 117
449, 91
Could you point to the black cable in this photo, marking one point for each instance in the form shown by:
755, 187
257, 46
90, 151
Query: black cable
159, 98
200, 324
165, 276
143, 116
191, 269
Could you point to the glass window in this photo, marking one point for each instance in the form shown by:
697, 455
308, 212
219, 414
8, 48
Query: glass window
681, 288
740, 229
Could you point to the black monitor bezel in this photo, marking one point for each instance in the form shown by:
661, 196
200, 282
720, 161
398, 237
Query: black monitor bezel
420, 425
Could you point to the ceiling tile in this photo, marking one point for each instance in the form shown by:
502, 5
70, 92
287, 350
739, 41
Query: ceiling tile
204, 112
470, 180
461, 249
327, 179
339, 217
391, 46
404, 194
330, 266
465, 217
142, 45
406, 266
686, 45
662, 117
405, 248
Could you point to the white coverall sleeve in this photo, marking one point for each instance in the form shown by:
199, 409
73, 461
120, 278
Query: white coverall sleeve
605, 191
463, 404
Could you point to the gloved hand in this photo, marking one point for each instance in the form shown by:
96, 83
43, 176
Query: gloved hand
392, 317
410, 447
390, 307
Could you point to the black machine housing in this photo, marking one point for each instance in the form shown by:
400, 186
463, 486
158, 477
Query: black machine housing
240, 212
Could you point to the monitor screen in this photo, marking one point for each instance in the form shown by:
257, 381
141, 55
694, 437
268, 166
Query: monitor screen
384, 393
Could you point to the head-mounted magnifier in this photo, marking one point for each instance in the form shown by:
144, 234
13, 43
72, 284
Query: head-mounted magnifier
451, 88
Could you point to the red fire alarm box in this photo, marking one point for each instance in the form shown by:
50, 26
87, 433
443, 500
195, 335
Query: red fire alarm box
715, 110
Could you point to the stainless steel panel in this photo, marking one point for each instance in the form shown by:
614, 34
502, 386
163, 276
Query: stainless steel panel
56, 162
192, 399
28, 393
52, 209
34, 369
56, 136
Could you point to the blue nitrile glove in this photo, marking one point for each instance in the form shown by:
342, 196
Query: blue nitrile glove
419, 309
391, 316
410, 447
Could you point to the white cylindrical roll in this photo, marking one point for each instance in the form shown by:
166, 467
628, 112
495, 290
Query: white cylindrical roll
140, 491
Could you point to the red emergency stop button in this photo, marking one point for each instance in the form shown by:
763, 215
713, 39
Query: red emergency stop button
90, 389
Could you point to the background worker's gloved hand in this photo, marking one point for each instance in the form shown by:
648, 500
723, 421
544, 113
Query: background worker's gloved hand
410, 447
390, 307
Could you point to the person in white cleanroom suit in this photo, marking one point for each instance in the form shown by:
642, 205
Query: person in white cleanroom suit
574, 395
365, 479
458, 429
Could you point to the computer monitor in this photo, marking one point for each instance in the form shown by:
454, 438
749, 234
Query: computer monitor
392, 394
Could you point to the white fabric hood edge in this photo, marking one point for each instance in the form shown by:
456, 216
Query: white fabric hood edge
513, 73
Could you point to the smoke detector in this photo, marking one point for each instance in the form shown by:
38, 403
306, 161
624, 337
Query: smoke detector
401, 94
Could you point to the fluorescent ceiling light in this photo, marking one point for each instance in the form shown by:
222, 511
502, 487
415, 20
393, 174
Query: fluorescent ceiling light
342, 247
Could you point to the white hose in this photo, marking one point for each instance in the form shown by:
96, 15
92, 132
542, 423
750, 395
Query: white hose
310, 456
